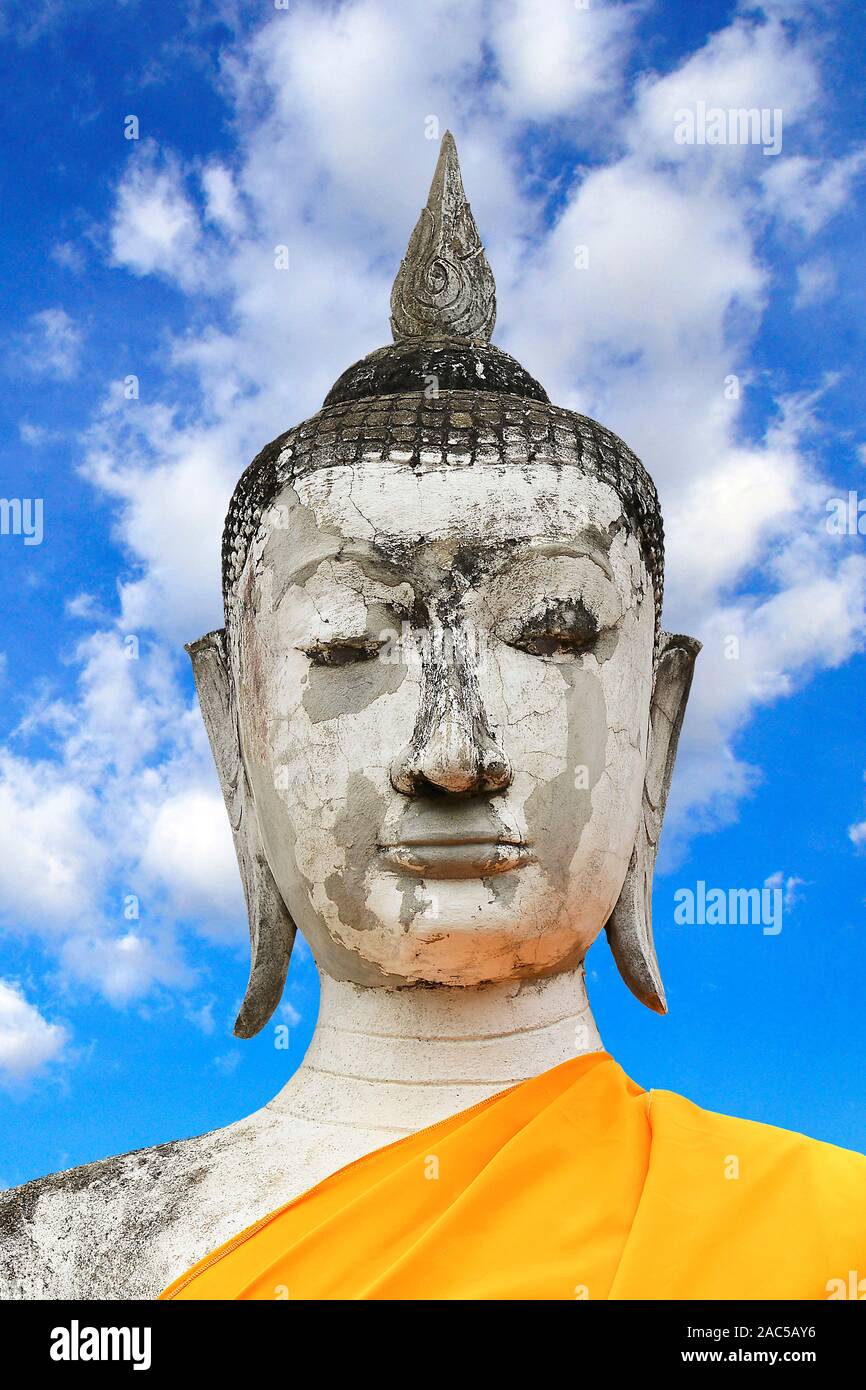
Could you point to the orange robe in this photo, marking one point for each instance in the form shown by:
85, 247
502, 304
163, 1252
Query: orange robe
575, 1184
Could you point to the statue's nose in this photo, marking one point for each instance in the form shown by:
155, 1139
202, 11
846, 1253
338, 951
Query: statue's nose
451, 758
452, 750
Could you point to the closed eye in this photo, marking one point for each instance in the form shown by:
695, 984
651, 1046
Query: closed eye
565, 629
553, 643
343, 653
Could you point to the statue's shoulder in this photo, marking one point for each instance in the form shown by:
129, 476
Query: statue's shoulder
767, 1212
98, 1230
826, 1178
128, 1226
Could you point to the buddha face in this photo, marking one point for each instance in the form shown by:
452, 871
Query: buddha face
443, 683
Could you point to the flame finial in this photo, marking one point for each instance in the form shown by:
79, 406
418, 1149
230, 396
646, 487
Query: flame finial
444, 287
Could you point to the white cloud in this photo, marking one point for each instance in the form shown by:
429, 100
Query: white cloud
808, 192
155, 227
752, 63
567, 60
790, 885
128, 810
86, 607
124, 967
227, 1063
221, 198
69, 255
758, 650
37, 436
203, 1017
51, 345
289, 1014
28, 1042
50, 861
857, 833
139, 455
816, 281
189, 849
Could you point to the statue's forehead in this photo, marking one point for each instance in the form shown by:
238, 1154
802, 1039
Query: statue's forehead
382, 503
397, 523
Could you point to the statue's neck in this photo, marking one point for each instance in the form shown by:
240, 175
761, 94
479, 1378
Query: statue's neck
395, 1061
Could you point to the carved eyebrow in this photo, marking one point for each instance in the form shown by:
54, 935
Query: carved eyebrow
373, 564
575, 550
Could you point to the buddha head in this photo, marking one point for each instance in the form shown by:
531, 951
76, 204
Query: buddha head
443, 710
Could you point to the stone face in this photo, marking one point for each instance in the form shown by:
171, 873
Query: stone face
482, 631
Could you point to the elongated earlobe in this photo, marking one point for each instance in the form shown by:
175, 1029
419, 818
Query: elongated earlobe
629, 928
272, 931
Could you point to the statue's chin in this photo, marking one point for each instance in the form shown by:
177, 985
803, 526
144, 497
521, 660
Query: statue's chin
452, 938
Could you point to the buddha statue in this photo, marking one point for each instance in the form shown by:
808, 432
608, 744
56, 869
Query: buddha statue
444, 714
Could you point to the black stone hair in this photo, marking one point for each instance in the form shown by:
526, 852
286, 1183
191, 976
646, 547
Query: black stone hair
432, 406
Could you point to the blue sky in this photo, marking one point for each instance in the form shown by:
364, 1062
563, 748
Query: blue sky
153, 257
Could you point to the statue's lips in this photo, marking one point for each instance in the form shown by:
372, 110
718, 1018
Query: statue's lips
457, 856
